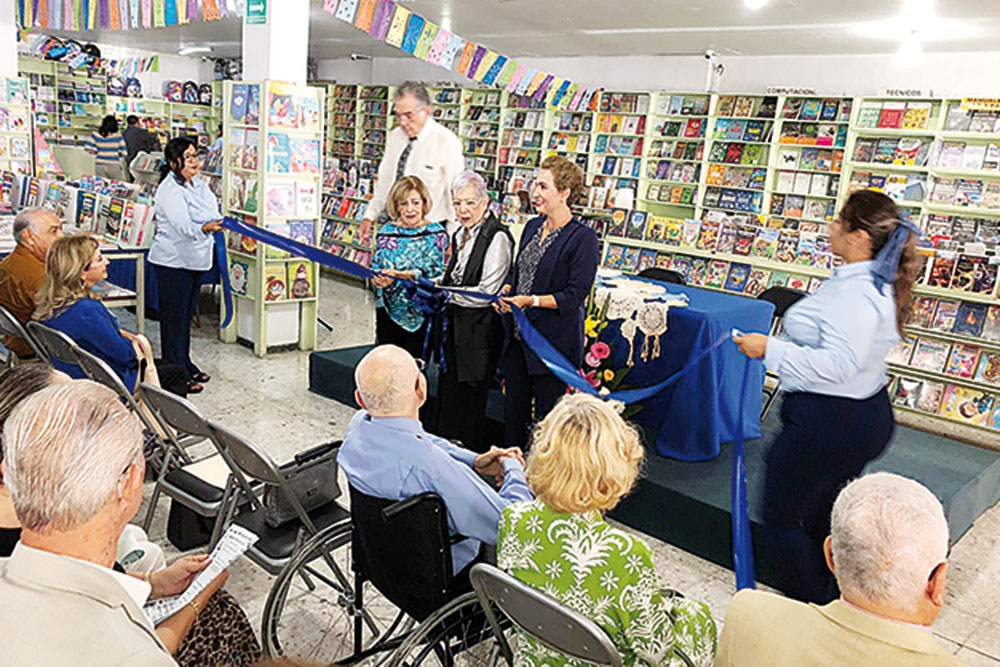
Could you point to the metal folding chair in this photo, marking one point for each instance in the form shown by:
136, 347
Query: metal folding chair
11, 326
56, 345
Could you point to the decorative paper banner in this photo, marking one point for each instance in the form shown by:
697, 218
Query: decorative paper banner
118, 14
397, 26
133, 66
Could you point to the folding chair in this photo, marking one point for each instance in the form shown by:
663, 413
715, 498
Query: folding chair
541, 617
56, 345
11, 326
201, 486
783, 298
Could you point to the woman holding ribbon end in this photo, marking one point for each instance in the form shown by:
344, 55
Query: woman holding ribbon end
552, 276
187, 214
408, 248
836, 415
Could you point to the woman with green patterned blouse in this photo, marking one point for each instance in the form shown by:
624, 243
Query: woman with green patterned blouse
584, 459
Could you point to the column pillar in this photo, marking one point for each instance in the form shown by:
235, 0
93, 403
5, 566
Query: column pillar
8, 38
276, 49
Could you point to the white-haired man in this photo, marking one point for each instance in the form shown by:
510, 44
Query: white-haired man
418, 146
73, 465
21, 271
888, 550
387, 454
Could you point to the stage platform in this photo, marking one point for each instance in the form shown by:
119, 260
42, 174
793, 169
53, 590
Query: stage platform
687, 504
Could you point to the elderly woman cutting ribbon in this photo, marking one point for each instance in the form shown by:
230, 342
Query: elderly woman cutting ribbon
836, 416
472, 334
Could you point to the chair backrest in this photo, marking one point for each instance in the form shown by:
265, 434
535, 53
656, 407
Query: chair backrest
56, 344
176, 411
403, 548
543, 618
662, 275
10, 325
98, 370
783, 298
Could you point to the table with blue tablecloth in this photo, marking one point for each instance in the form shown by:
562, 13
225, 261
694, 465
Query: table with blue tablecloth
700, 411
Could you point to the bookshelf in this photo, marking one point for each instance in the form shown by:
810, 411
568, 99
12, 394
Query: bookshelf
446, 105
272, 173
672, 169
348, 185
154, 115
342, 120
67, 104
197, 120
568, 134
522, 134
619, 141
15, 126
373, 121
479, 130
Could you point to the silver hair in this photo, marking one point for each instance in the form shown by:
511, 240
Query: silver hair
378, 377
469, 178
29, 217
888, 534
66, 448
415, 88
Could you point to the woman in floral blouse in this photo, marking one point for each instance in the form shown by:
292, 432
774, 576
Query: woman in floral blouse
583, 461
408, 247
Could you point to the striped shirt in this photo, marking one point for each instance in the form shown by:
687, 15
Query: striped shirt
109, 149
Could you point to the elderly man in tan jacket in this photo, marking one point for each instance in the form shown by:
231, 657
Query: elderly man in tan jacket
74, 466
888, 549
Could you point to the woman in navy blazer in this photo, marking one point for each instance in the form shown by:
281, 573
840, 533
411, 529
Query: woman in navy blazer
73, 266
554, 271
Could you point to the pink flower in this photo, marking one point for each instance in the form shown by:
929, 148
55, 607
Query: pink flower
592, 360
592, 379
600, 349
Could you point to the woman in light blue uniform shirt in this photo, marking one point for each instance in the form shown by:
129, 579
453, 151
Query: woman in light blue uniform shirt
836, 415
187, 213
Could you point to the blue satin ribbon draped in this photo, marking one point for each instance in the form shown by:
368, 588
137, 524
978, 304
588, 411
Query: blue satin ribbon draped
430, 297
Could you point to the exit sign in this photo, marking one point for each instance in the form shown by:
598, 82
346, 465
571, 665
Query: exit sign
256, 12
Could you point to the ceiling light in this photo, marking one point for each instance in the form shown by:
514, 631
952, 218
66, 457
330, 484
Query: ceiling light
910, 52
755, 4
191, 50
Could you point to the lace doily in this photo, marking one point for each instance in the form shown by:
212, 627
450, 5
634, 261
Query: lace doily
641, 306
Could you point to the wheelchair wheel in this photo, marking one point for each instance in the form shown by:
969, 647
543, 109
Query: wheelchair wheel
456, 634
312, 611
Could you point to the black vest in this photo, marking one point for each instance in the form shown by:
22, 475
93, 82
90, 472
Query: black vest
475, 335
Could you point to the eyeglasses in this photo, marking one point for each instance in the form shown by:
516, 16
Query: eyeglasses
465, 203
421, 366
192, 156
407, 115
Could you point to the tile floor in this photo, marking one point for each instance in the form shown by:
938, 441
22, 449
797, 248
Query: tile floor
267, 401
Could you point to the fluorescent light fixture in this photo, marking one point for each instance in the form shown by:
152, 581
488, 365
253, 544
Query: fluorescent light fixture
910, 52
917, 16
755, 4
191, 50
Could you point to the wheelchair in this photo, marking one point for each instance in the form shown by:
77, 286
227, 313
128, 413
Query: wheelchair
379, 590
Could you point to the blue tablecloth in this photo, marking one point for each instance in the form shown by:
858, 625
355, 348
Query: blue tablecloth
122, 273
699, 412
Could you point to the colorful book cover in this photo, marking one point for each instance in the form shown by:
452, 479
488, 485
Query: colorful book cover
308, 113
757, 282
306, 199
944, 317
699, 272
969, 319
991, 324
630, 260
930, 354
962, 360
907, 392
300, 280
279, 199
647, 258
253, 104
682, 265
613, 258
715, 276
251, 148
964, 404
941, 271
901, 351
238, 103
304, 156
988, 370
237, 142
663, 260
690, 232
239, 273
636, 225
708, 236
931, 395
275, 283
279, 157
281, 104
736, 281
619, 222
922, 312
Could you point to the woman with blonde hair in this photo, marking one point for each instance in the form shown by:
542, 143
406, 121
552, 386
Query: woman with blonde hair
408, 247
584, 459
66, 302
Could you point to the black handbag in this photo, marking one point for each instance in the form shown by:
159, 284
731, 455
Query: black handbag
312, 477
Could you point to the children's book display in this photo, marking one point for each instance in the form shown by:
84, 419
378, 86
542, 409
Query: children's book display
273, 172
15, 126
347, 186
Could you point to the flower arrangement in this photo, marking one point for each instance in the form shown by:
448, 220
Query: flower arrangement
598, 360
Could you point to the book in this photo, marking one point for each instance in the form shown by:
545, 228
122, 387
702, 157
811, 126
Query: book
922, 312
278, 153
690, 232
630, 260
304, 155
275, 283
974, 273
736, 280
647, 258
969, 319
907, 392
238, 103
941, 271
966, 405
715, 275
930, 354
988, 369
891, 116
636, 225
944, 316
253, 104
698, 272
300, 280
917, 115
279, 199
991, 324
901, 351
962, 360
931, 394
757, 282
619, 221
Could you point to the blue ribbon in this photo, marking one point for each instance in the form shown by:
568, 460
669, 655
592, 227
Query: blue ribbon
431, 296
886, 262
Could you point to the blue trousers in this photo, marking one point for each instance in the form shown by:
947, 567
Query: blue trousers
178, 296
825, 441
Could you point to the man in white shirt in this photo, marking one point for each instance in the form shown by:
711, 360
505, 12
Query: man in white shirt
74, 466
419, 146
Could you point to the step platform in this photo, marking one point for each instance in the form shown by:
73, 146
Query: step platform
687, 504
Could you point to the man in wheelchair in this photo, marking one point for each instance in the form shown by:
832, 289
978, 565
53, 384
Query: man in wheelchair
387, 454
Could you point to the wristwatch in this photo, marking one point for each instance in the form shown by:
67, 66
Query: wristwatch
534, 301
